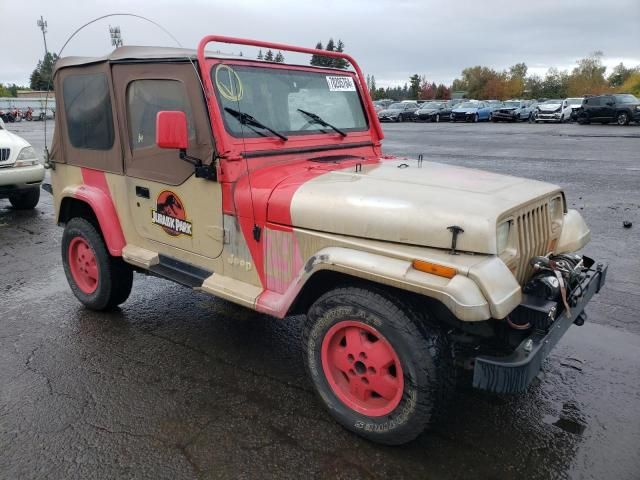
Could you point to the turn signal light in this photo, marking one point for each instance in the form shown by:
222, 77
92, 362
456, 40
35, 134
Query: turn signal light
434, 269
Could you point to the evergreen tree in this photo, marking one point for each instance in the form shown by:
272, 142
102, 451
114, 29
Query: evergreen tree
414, 88
329, 61
315, 58
41, 77
372, 86
340, 62
260, 55
269, 56
279, 58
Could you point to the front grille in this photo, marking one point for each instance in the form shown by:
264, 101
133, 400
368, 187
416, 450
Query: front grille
534, 233
5, 153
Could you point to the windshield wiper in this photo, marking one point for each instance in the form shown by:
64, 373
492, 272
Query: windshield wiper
246, 119
316, 119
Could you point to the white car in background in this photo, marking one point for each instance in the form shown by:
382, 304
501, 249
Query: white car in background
557, 110
20, 171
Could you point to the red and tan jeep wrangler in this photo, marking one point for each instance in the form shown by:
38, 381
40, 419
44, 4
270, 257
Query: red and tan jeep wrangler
265, 184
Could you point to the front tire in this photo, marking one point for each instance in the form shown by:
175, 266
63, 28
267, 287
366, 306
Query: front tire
622, 118
26, 200
99, 280
380, 369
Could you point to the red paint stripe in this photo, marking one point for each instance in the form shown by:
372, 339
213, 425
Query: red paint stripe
95, 191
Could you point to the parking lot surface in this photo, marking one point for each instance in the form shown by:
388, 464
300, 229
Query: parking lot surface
177, 384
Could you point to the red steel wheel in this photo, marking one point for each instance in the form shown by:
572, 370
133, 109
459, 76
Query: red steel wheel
83, 265
362, 368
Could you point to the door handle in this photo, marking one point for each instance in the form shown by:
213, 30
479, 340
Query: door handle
142, 192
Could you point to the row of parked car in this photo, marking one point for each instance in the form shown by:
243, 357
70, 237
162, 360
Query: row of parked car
618, 108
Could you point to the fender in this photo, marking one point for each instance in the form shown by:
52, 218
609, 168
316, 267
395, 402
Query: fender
461, 295
104, 210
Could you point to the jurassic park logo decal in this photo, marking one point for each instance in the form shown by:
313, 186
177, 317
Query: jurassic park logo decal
171, 215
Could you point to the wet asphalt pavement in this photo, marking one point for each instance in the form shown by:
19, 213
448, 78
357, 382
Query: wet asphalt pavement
178, 384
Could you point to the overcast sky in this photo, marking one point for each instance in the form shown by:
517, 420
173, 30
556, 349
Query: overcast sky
391, 39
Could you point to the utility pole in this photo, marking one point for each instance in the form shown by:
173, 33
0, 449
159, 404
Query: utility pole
116, 38
42, 24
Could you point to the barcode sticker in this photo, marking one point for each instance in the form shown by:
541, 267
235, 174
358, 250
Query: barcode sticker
341, 84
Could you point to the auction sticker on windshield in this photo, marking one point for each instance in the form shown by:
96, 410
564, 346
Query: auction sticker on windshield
341, 84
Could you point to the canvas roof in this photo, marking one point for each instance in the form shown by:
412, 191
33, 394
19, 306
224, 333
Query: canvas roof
133, 53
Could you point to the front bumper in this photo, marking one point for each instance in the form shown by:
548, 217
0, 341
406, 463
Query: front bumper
548, 117
514, 373
504, 116
13, 179
388, 118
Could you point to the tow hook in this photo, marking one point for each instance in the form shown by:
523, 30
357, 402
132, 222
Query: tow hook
580, 319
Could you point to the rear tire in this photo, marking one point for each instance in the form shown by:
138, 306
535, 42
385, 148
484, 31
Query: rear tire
359, 342
99, 280
26, 200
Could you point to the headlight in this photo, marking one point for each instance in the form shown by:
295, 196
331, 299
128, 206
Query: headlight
556, 212
502, 236
26, 157
637, 107
555, 208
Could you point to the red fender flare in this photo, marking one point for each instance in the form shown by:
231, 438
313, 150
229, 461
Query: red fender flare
95, 192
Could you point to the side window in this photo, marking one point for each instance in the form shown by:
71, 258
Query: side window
87, 106
145, 98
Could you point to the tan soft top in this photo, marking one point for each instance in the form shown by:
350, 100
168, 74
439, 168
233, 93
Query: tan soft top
133, 53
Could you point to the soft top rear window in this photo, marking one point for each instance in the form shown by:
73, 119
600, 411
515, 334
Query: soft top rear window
276, 96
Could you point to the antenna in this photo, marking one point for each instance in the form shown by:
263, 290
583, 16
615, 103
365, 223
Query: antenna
42, 24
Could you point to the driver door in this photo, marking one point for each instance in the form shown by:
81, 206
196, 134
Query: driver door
174, 213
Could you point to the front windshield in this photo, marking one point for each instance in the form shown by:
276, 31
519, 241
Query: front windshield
626, 99
574, 101
431, 106
275, 98
468, 105
550, 102
396, 106
511, 104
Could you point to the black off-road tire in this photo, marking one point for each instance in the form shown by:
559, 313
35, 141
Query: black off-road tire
424, 351
25, 200
115, 277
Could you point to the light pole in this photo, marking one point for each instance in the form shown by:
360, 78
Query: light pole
116, 38
42, 23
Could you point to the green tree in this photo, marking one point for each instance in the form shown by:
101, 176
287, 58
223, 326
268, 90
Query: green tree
4, 91
620, 74
533, 87
340, 62
329, 61
519, 70
41, 77
315, 58
414, 86
260, 55
279, 58
555, 84
269, 56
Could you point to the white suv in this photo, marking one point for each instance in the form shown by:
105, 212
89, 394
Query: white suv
20, 171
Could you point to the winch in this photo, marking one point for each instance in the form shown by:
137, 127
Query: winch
552, 288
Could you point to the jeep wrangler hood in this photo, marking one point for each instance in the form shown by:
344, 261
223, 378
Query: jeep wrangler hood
397, 201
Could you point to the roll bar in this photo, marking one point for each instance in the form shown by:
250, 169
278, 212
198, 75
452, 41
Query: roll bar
292, 48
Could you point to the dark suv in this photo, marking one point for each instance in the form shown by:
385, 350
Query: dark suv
620, 108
